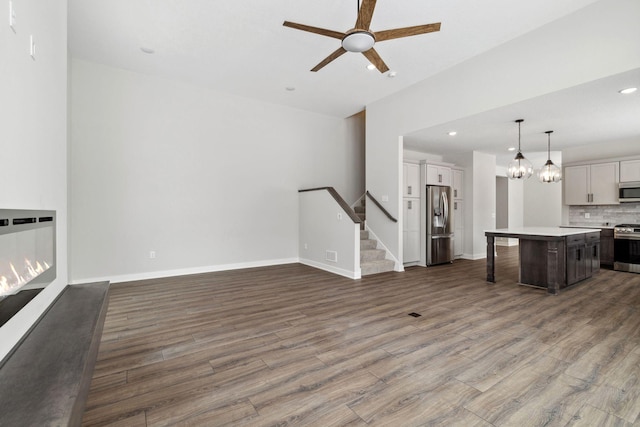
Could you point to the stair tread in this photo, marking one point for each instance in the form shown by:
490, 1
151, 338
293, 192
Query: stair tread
368, 244
372, 254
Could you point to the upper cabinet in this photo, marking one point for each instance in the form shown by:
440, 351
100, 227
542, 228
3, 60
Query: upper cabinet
595, 184
438, 175
411, 180
629, 170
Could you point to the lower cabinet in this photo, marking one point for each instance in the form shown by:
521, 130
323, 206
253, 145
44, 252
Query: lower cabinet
458, 230
592, 255
411, 231
606, 247
583, 257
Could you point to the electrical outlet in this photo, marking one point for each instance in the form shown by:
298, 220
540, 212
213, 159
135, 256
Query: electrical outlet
339, 216
587, 215
12, 17
385, 198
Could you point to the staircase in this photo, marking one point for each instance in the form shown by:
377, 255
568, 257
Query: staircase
372, 259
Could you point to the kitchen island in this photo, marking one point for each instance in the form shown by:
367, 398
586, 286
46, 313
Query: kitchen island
552, 258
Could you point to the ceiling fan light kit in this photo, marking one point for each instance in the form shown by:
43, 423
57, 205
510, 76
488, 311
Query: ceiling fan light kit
361, 39
358, 41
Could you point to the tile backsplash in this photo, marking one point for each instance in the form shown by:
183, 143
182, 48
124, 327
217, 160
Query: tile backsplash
624, 213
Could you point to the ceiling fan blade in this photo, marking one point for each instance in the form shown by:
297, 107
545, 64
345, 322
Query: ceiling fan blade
365, 14
406, 32
329, 58
316, 30
375, 59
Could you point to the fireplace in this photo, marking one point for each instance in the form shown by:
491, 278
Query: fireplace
27, 257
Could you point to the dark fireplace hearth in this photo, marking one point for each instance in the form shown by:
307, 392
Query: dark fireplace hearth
27, 257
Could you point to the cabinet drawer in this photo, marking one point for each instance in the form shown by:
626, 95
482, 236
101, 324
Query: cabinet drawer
593, 237
576, 239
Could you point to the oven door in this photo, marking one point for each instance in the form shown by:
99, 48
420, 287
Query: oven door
627, 253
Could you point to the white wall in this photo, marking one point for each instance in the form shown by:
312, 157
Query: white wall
502, 202
207, 180
419, 155
325, 226
542, 203
511, 73
603, 151
484, 202
351, 159
33, 117
516, 203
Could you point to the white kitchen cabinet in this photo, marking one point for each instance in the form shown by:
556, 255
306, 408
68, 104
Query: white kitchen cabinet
411, 230
411, 181
457, 184
630, 171
595, 184
458, 228
411, 213
438, 175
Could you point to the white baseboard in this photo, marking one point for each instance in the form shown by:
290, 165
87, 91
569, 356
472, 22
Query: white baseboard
185, 271
474, 257
331, 269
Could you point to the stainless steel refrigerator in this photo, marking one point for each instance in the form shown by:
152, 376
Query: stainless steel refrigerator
439, 217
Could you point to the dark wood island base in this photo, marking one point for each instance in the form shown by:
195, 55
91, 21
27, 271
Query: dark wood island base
550, 258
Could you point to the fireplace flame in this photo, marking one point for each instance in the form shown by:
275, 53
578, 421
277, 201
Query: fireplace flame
9, 285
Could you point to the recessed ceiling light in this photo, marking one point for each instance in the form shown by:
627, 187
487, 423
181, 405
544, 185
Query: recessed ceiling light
147, 50
628, 90
392, 74
511, 149
371, 67
453, 133
290, 88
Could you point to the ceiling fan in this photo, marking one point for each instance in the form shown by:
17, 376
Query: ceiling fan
361, 38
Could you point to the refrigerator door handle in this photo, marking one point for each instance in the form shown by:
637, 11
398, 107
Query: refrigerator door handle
445, 202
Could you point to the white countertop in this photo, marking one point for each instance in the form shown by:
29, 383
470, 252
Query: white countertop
599, 227
544, 231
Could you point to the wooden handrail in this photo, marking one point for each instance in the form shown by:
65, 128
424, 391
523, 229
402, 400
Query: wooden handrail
384, 211
344, 205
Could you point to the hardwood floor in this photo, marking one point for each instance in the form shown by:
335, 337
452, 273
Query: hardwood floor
292, 345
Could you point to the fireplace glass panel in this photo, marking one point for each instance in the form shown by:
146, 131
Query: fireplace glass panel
24, 256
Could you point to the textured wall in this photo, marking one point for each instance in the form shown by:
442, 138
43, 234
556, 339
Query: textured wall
624, 213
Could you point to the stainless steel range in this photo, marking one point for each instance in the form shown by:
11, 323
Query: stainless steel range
626, 255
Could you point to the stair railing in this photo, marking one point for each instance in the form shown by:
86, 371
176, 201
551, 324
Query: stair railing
338, 198
325, 240
384, 211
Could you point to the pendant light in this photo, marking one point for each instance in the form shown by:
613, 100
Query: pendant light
549, 172
519, 167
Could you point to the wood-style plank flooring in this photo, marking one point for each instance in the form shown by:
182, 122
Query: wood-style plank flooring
292, 345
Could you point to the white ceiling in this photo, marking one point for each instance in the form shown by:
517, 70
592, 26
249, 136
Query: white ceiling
588, 114
242, 48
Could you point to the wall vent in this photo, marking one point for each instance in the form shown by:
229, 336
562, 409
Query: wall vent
332, 256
